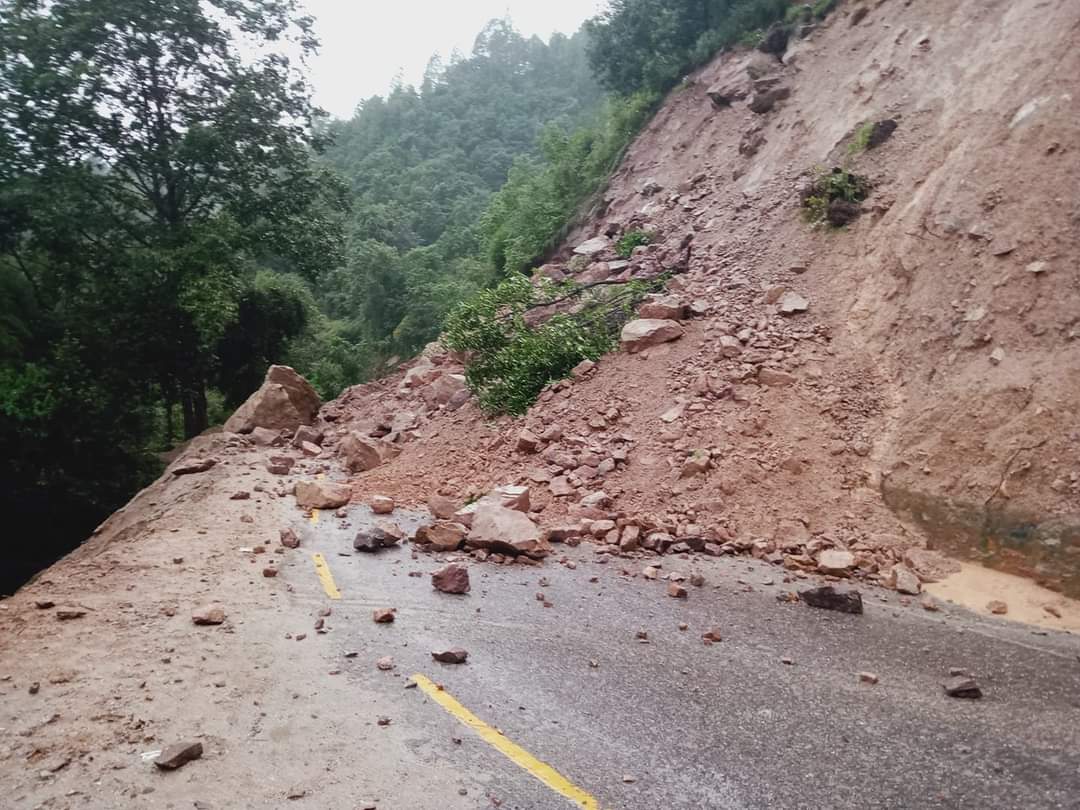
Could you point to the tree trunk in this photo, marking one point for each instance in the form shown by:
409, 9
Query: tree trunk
193, 402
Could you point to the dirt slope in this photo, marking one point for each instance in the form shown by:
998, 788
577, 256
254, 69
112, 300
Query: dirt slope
935, 372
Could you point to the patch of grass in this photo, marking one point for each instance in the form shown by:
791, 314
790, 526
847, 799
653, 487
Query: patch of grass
511, 359
861, 139
829, 188
752, 38
823, 8
630, 240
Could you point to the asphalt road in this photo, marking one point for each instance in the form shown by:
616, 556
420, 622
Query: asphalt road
677, 724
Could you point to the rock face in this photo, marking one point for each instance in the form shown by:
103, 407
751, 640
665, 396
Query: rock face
285, 400
451, 579
500, 529
645, 332
321, 494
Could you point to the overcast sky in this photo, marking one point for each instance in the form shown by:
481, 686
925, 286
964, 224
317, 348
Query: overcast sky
365, 43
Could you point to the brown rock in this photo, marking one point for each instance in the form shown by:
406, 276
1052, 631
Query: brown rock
904, 580
176, 756
321, 494
68, 613
868, 677
381, 504
285, 400
211, 614
775, 378
361, 453
451, 579
645, 332
240, 496
443, 535
269, 572
193, 466
527, 442
713, 636
386, 663
453, 656
289, 539
962, 686
384, 615
499, 529
676, 591
441, 507
664, 307
836, 562
997, 607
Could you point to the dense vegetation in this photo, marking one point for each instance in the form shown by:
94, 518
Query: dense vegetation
174, 216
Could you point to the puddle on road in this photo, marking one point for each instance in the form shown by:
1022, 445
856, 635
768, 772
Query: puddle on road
974, 586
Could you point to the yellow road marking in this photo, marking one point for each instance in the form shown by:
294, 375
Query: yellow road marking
314, 517
515, 753
327, 579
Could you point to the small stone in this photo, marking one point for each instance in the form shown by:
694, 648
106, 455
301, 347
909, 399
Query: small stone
178, 755
451, 656
713, 636
269, 572
997, 355
44, 604
209, 615
528, 442
384, 615
697, 580
68, 613
453, 578
240, 496
35, 687
676, 591
1037, 268
962, 686
386, 663
383, 721
929, 603
997, 607
381, 504
868, 677
792, 303
289, 538
642, 635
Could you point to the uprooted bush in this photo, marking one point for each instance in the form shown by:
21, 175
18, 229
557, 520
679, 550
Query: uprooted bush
833, 196
512, 355
624, 248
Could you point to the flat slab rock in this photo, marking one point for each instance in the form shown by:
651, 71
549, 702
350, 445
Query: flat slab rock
176, 756
645, 332
827, 597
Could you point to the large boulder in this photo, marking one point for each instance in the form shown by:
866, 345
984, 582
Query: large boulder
447, 389
590, 247
285, 400
645, 332
500, 529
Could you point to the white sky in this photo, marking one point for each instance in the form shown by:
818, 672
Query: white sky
365, 44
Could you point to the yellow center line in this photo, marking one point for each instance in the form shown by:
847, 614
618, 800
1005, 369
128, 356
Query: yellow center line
314, 517
327, 579
515, 753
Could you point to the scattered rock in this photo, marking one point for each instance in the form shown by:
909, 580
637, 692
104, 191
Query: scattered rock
452, 656
997, 607
289, 538
881, 132
962, 686
502, 530
836, 562
713, 636
270, 572
44, 604
176, 756
386, 663
453, 578
240, 496
381, 504
321, 494
528, 442
211, 614
904, 580
644, 332
591, 247
362, 453
868, 677
441, 507
384, 615
827, 597
792, 303
676, 591
193, 466
68, 613
443, 535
